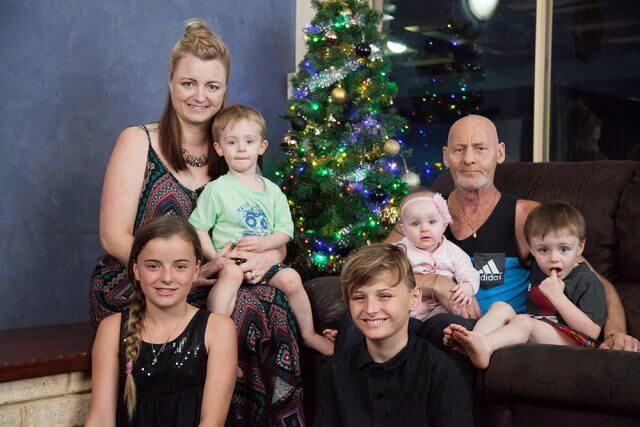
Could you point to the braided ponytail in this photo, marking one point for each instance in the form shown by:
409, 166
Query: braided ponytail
132, 349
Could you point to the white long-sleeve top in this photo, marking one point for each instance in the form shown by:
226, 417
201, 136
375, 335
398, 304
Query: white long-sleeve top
447, 260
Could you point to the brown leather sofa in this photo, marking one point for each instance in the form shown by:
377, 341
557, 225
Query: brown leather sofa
533, 385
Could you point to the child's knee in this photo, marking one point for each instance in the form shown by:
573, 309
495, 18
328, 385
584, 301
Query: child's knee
287, 280
523, 320
503, 309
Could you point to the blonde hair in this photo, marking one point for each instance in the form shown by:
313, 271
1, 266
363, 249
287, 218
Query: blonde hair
552, 217
373, 261
162, 227
203, 43
232, 115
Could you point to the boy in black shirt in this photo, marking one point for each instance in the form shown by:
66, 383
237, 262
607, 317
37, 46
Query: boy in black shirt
393, 378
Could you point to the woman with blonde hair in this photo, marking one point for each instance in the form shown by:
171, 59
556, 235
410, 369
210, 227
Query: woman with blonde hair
160, 169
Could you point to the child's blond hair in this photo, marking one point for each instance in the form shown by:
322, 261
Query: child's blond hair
373, 261
231, 115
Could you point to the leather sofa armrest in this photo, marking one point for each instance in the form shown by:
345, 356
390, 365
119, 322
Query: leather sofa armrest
327, 304
607, 379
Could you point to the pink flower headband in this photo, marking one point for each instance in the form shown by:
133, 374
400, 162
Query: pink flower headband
438, 201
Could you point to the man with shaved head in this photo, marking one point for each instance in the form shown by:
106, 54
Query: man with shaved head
489, 226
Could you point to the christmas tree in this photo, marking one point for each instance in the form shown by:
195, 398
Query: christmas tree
343, 171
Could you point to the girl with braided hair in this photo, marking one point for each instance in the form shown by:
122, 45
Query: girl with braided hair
164, 362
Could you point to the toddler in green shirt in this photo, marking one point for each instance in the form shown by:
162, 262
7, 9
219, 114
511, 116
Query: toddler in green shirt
247, 209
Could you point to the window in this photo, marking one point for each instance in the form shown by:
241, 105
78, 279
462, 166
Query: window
595, 74
450, 60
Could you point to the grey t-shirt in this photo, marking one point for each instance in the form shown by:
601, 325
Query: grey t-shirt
581, 286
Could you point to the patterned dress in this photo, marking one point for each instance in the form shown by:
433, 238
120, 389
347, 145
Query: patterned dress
267, 333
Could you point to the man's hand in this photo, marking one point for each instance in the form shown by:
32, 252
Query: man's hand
437, 286
620, 341
442, 290
552, 287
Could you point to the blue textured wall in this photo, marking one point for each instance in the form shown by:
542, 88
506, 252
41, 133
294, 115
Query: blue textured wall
73, 74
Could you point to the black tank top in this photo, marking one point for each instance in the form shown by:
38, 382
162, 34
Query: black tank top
494, 253
169, 392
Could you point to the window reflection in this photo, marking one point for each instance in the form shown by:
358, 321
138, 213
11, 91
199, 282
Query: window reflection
454, 64
595, 80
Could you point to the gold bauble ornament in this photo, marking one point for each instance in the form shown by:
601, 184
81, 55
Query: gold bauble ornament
347, 11
339, 95
331, 36
391, 147
412, 180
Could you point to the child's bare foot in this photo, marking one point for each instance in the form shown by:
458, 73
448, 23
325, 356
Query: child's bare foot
319, 343
448, 340
330, 334
474, 346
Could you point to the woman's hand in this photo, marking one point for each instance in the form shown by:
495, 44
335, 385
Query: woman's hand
252, 244
213, 266
257, 263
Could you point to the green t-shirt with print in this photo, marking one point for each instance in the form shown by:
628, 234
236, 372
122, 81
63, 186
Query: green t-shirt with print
235, 211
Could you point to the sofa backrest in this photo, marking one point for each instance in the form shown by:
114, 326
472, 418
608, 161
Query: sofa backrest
606, 192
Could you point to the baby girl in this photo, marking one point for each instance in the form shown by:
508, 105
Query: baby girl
423, 220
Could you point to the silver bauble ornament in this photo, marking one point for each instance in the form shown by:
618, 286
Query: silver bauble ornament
289, 143
412, 179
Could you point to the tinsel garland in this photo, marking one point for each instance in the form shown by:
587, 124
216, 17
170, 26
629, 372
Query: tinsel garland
323, 27
326, 78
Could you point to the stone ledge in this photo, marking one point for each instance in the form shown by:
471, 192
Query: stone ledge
11, 415
63, 410
70, 410
43, 387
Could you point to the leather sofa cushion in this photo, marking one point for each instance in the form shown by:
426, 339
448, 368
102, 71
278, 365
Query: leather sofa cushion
327, 305
564, 375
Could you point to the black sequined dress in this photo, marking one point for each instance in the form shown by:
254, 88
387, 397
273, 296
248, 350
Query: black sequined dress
169, 391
